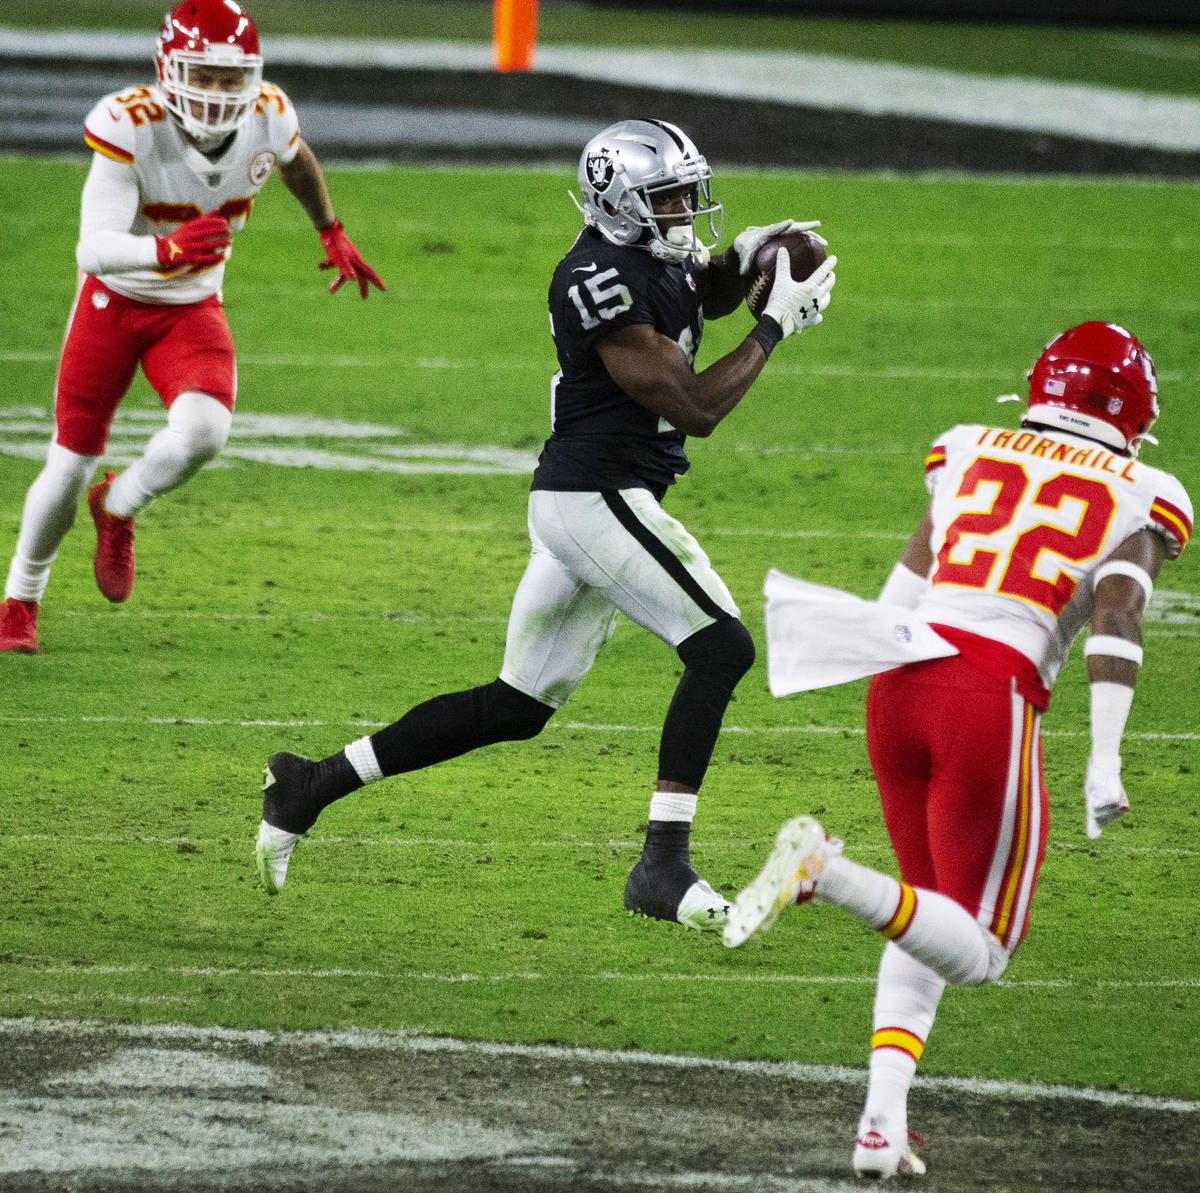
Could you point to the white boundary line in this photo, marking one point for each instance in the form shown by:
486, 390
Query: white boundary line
403, 1041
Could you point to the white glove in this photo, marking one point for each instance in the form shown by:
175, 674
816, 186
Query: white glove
796, 305
1104, 793
746, 244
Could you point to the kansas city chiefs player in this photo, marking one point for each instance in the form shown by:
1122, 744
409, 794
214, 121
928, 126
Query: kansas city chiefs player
1030, 534
175, 170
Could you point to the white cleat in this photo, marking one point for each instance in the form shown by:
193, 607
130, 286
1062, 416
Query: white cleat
271, 853
881, 1151
702, 908
790, 873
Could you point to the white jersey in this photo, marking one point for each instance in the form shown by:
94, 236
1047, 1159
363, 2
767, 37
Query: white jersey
1022, 520
176, 182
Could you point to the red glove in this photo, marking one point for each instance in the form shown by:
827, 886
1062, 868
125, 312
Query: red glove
346, 259
201, 240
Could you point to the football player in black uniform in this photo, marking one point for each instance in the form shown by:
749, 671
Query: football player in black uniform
627, 305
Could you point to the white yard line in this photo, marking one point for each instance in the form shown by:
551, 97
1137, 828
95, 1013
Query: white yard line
465, 978
582, 726
404, 1041
574, 843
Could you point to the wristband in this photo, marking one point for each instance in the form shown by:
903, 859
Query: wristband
766, 333
1114, 647
903, 587
1110, 706
1122, 567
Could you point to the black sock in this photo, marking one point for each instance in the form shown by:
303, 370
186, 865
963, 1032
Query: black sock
667, 843
331, 778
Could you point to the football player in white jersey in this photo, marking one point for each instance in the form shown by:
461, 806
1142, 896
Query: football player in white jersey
1029, 535
175, 170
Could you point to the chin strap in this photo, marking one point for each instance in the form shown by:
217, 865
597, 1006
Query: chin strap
678, 245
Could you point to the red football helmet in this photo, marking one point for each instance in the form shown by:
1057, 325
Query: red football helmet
209, 67
1097, 380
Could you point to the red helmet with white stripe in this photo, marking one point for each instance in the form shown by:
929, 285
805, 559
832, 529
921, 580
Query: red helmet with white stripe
209, 67
1097, 380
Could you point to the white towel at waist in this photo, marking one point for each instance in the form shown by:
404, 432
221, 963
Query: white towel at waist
819, 636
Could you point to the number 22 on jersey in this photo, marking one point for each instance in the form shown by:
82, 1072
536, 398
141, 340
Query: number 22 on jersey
1019, 549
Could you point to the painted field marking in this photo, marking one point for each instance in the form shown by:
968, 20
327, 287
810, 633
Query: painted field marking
582, 726
405, 1041
463, 978
345, 445
499, 846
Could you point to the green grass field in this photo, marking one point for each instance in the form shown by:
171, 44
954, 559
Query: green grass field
283, 607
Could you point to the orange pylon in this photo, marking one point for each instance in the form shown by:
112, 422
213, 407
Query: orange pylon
514, 33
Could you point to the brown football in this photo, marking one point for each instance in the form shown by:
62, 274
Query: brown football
805, 252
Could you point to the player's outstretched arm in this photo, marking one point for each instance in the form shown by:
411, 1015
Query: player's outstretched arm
304, 177
1114, 653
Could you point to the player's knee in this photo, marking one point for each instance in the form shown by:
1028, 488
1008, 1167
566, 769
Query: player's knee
517, 716
723, 652
68, 472
985, 964
201, 425
998, 956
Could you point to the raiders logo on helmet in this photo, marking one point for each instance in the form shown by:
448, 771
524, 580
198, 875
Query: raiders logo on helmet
600, 170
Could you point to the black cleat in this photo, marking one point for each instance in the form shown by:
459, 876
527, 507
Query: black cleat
287, 814
675, 892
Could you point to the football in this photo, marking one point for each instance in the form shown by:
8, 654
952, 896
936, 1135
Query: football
805, 252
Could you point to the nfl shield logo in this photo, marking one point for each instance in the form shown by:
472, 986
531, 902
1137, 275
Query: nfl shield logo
600, 170
1114, 405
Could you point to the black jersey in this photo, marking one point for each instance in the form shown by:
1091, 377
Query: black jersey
601, 438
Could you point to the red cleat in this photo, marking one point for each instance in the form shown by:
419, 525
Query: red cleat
18, 626
114, 544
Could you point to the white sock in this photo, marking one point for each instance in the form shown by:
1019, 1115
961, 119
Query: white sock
361, 755
928, 926
673, 805
197, 428
49, 512
906, 1001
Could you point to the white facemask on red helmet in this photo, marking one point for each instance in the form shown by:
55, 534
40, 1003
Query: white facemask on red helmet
1097, 380
209, 68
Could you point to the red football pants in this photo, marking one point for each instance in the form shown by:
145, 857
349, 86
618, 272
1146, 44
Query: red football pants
958, 760
181, 347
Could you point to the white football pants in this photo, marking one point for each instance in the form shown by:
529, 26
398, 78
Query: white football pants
594, 555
